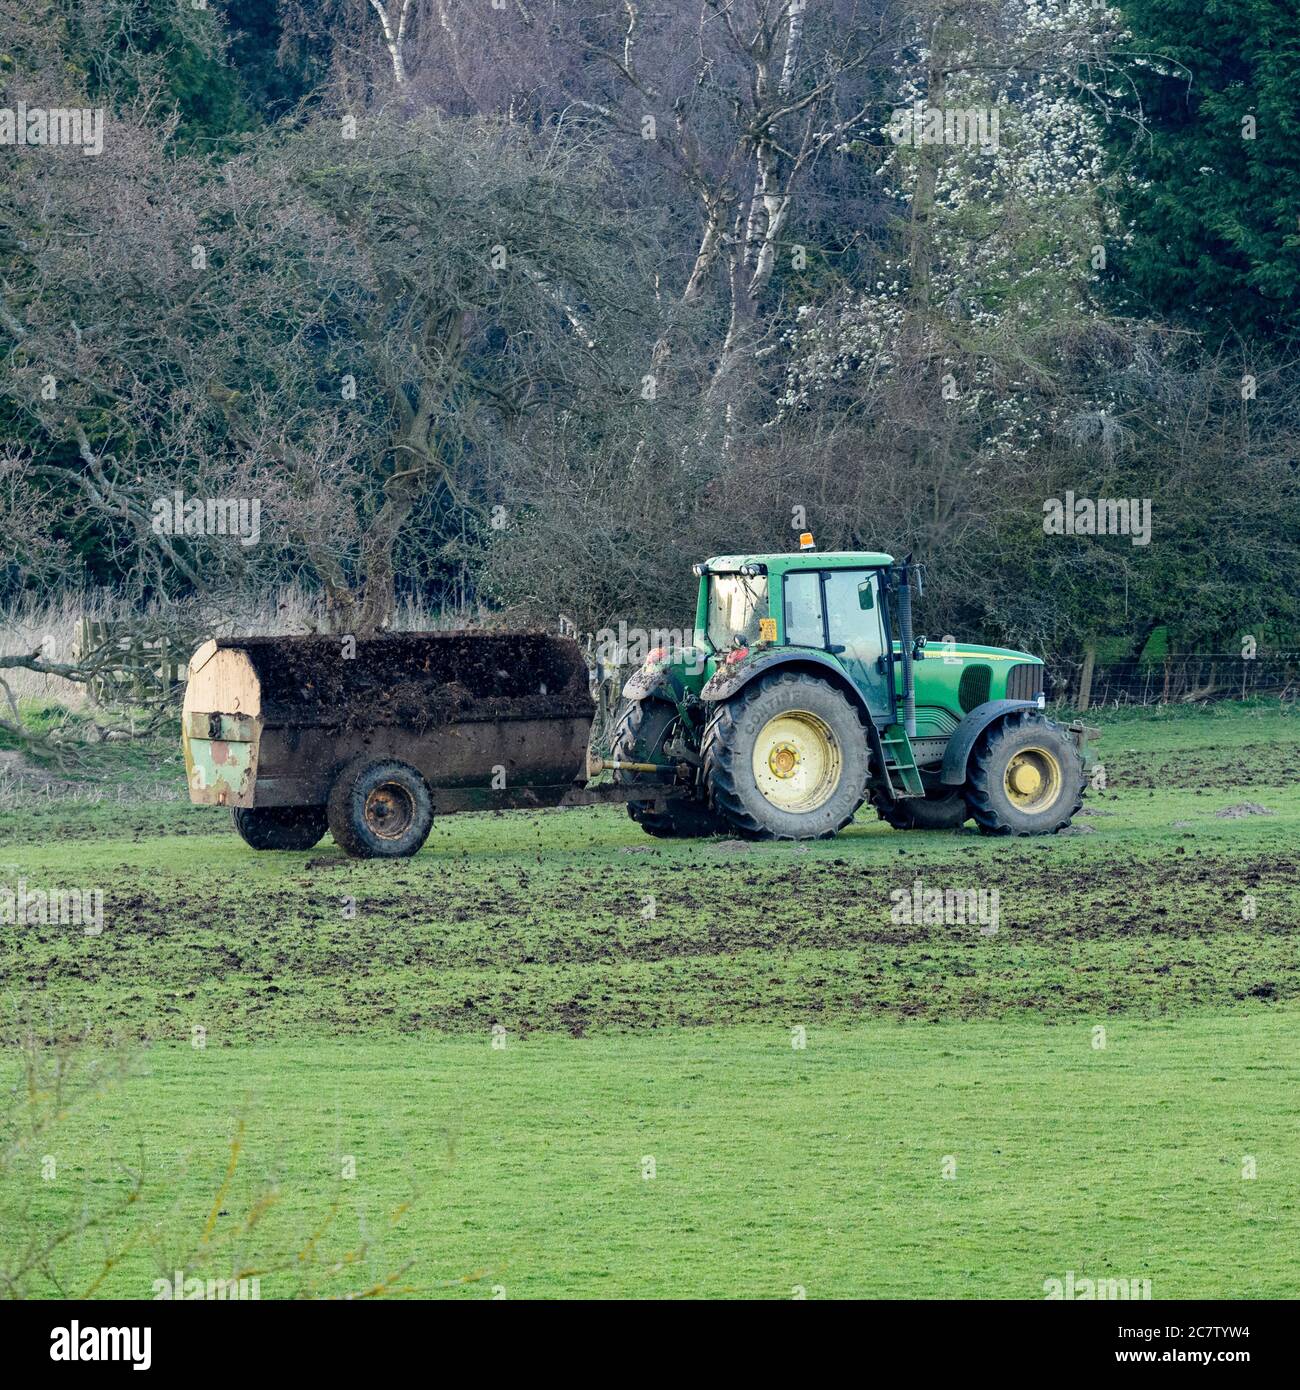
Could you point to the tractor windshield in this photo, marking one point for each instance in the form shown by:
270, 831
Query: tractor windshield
736, 603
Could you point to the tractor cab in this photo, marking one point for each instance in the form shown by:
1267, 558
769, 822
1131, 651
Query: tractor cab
833, 605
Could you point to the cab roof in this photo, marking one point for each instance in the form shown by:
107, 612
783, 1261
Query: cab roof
800, 560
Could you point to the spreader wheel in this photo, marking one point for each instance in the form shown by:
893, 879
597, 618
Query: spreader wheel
279, 827
380, 810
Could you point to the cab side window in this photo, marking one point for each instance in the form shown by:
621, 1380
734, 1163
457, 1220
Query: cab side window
803, 609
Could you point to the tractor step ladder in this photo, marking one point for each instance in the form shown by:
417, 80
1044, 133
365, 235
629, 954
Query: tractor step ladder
900, 762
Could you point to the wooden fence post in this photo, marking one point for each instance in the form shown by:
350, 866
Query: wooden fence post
1085, 676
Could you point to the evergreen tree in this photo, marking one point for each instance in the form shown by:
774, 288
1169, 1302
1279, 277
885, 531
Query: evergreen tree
1216, 198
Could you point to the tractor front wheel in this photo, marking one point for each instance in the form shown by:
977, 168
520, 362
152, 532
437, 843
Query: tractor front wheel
786, 759
1024, 778
941, 810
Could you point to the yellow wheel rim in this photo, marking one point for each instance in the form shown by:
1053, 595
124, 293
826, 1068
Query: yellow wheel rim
797, 762
1033, 779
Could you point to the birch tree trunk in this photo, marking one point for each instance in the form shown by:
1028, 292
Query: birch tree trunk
394, 35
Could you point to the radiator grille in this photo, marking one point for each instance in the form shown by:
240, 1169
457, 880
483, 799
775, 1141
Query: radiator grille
974, 687
1024, 681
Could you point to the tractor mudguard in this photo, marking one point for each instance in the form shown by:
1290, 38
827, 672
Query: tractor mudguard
671, 674
728, 680
968, 731
647, 682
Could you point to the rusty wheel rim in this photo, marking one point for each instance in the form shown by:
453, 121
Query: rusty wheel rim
389, 810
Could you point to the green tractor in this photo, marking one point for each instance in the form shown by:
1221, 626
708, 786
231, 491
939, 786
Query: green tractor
804, 692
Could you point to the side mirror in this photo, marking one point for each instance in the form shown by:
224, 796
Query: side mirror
866, 595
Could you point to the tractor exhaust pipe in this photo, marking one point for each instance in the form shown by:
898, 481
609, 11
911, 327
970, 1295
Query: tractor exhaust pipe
905, 640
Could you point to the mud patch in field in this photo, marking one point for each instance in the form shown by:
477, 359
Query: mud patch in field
1250, 765
764, 938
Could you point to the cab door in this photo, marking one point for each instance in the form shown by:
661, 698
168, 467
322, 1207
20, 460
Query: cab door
840, 612
855, 633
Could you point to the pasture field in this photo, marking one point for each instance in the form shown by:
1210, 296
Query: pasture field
550, 1056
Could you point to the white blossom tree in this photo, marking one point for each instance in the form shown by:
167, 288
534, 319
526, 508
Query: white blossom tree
1004, 208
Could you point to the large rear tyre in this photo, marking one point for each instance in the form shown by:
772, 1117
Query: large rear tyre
380, 810
786, 759
942, 810
642, 731
279, 827
1025, 777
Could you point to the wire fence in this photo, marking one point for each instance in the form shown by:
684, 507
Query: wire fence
1176, 679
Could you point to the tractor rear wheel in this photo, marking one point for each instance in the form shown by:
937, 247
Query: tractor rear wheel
786, 759
642, 731
380, 809
279, 827
1025, 777
944, 809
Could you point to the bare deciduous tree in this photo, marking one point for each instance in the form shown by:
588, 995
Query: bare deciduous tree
332, 325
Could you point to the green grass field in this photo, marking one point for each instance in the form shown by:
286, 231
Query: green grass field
952, 1126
